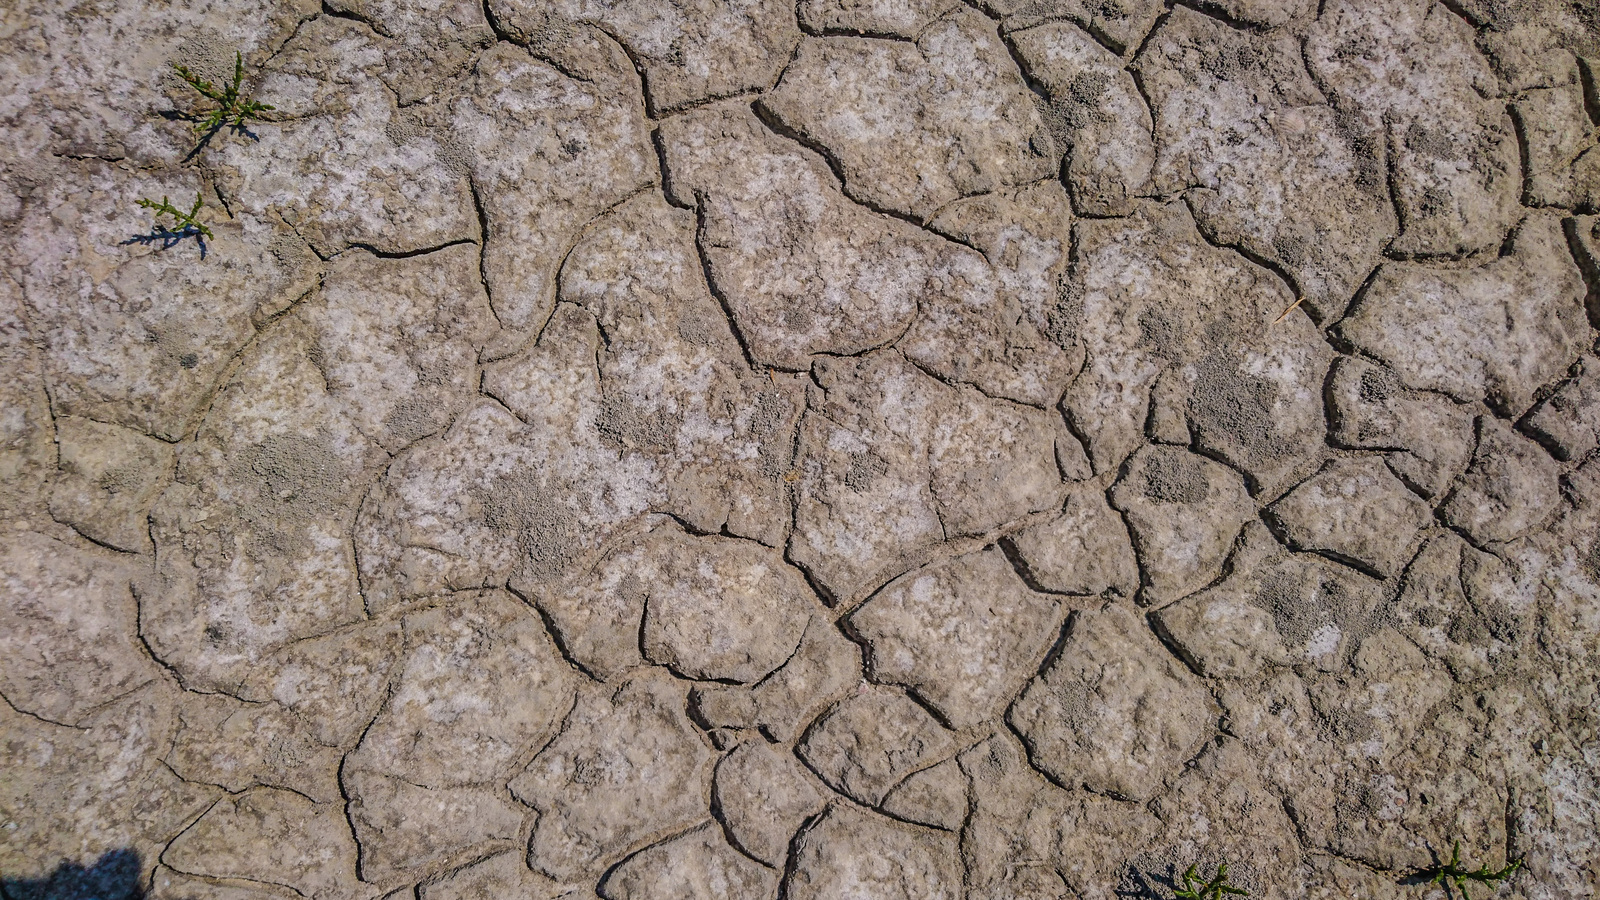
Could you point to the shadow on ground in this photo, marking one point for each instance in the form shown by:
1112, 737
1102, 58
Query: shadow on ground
116, 875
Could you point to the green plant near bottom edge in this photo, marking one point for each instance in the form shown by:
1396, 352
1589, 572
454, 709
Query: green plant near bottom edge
1452, 875
183, 222
1215, 889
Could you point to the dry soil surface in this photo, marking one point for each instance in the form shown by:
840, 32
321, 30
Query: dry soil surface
834, 450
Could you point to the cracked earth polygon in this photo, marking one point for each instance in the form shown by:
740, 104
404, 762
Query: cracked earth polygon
844, 449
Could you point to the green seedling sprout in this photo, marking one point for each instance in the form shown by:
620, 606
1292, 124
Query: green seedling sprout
1452, 875
232, 107
183, 222
1215, 889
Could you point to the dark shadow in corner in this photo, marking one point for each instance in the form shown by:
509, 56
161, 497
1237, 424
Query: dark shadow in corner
116, 875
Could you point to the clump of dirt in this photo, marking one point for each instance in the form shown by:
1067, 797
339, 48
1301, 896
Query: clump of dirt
411, 420
548, 531
1236, 406
1378, 385
1174, 478
298, 476
1303, 602
455, 158
1159, 331
624, 425
865, 468
1296, 621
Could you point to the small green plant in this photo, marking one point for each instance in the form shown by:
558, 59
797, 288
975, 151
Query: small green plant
1215, 889
233, 108
1452, 875
183, 223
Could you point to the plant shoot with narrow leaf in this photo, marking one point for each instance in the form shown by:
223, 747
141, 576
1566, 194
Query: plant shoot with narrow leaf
1453, 875
1215, 889
184, 223
233, 108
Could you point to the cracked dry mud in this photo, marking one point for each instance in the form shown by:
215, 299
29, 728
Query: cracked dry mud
844, 449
